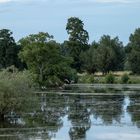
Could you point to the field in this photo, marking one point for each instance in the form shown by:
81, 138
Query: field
99, 78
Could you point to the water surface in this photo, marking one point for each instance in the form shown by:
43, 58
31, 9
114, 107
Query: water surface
80, 112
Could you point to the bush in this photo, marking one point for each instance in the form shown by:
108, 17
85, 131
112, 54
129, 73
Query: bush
91, 78
88, 79
110, 78
68, 75
15, 92
125, 78
53, 81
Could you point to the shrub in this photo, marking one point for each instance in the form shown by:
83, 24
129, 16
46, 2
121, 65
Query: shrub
124, 78
129, 81
53, 81
86, 79
91, 78
110, 78
15, 92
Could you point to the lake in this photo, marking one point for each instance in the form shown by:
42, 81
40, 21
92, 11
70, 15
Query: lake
79, 112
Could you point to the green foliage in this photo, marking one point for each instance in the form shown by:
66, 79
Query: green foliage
51, 63
125, 78
89, 59
134, 60
43, 58
105, 56
110, 54
73, 49
15, 92
8, 49
134, 79
53, 81
86, 78
110, 78
75, 28
133, 51
78, 41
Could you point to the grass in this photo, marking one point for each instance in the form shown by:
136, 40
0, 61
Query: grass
101, 79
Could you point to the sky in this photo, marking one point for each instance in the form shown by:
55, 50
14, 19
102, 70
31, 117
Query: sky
110, 17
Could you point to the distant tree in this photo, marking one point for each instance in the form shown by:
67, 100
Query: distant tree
8, 49
43, 58
133, 51
105, 56
89, 58
78, 40
110, 54
75, 29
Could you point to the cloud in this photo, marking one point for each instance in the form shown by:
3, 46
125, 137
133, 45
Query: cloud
106, 1
113, 1
5, 1
73, 1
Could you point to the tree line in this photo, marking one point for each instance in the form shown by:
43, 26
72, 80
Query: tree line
53, 63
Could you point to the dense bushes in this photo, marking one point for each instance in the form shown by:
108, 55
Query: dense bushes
124, 78
15, 91
110, 78
86, 78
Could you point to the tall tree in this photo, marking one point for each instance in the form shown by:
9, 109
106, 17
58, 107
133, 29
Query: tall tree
110, 55
75, 29
42, 56
133, 51
78, 40
8, 49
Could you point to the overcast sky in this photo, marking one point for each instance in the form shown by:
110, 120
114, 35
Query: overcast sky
113, 17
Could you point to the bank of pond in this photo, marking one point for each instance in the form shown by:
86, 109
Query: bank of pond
123, 77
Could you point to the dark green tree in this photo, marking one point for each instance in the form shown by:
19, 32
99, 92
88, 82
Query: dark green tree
8, 49
89, 58
110, 54
78, 40
133, 51
75, 29
43, 58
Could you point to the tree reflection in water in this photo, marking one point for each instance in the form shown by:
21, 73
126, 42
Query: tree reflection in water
82, 111
108, 108
42, 123
79, 116
134, 109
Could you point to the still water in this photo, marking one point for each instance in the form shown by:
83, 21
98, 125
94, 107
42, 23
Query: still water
80, 112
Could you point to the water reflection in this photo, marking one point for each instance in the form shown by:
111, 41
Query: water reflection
108, 108
76, 117
79, 115
134, 109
